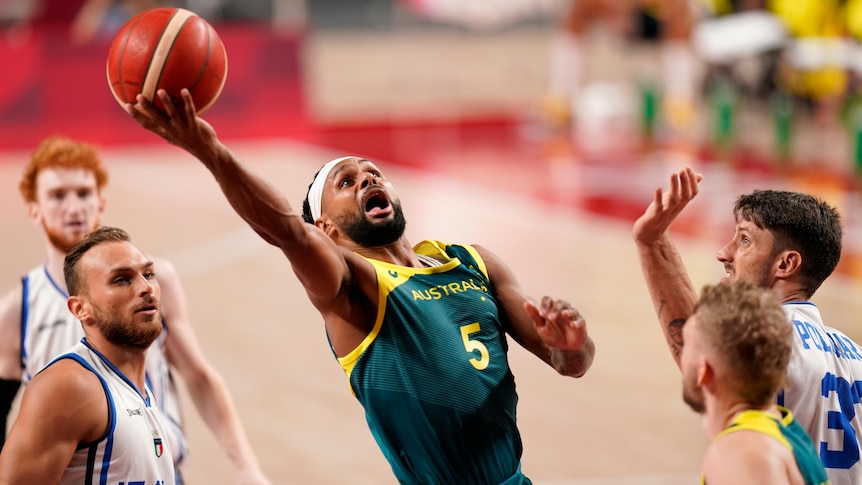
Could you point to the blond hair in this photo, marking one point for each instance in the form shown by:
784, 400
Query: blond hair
747, 327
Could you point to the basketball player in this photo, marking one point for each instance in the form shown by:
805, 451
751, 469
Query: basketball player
789, 242
419, 330
737, 347
89, 416
62, 186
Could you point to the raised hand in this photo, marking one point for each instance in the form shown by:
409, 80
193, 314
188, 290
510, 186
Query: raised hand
666, 206
178, 124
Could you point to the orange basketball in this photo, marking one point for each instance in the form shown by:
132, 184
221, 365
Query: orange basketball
170, 49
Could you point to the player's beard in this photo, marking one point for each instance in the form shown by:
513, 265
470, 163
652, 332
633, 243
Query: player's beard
764, 275
129, 331
64, 242
693, 396
761, 276
371, 235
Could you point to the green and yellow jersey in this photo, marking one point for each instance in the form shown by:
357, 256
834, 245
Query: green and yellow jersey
787, 432
433, 374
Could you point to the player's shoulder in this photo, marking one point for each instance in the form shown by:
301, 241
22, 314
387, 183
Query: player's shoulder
83, 412
492, 264
11, 305
11, 311
835, 332
745, 451
66, 378
481, 250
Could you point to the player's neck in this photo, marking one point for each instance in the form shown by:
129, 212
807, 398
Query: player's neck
798, 295
788, 291
128, 360
722, 414
398, 253
55, 261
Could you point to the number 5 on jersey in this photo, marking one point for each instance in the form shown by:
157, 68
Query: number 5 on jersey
474, 345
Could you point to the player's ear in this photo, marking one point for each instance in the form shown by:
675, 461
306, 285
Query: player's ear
326, 225
34, 212
78, 307
789, 262
705, 373
103, 202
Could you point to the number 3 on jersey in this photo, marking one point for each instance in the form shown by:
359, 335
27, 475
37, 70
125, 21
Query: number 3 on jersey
848, 397
474, 345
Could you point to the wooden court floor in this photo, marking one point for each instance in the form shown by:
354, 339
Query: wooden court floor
623, 423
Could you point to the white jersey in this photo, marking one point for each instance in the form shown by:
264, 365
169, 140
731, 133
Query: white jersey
133, 450
824, 386
48, 329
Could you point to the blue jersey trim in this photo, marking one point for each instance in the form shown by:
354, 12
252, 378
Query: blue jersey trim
109, 445
25, 311
54, 283
800, 303
122, 376
112, 421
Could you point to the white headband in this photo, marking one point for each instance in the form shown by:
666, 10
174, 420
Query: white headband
315, 192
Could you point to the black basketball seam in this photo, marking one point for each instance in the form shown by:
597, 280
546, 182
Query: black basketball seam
122, 57
206, 59
170, 49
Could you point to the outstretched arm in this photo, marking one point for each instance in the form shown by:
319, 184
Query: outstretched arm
206, 387
554, 332
672, 292
317, 262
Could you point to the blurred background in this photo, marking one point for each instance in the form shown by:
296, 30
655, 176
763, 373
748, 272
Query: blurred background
545, 125
553, 90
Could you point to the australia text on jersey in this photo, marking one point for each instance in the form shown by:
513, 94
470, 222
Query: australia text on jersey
439, 291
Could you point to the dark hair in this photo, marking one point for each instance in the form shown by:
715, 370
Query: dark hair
800, 222
306, 207
101, 235
748, 328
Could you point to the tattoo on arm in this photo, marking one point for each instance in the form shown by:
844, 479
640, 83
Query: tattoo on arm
674, 332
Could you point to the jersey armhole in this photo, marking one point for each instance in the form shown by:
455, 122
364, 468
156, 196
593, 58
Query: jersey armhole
477, 258
25, 292
112, 417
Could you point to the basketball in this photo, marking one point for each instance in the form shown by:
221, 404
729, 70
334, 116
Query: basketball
170, 49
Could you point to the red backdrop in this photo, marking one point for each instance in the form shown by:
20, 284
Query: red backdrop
48, 86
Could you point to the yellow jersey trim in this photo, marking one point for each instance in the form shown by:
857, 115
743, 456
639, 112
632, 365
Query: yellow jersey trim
398, 276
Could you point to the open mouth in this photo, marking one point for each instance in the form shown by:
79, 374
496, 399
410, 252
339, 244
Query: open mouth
376, 202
